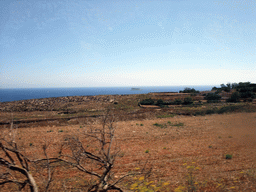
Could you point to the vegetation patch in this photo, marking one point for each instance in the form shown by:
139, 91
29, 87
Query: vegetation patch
160, 125
188, 101
228, 156
147, 102
212, 98
226, 109
169, 124
189, 90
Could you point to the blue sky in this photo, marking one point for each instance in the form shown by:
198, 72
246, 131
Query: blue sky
95, 43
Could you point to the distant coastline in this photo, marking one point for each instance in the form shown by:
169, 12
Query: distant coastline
17, 94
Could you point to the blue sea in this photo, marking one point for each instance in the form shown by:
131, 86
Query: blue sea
36, 93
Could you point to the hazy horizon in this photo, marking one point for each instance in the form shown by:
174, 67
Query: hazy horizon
180, 86
131, 43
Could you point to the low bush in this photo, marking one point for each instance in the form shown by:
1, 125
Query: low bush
189, 90
248, 94
212, 97
177, 102
228, 156
234, 97
147, 102
160, 125
160, 102
228, 109
187, 101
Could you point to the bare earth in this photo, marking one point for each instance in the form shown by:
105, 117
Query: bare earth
202, 142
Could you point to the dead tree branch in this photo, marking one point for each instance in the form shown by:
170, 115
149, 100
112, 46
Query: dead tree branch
19, 164
98, 160
13, 160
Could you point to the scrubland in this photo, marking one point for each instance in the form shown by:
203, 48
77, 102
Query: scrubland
180, 149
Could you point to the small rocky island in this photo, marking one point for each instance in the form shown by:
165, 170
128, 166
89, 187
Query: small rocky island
135, 89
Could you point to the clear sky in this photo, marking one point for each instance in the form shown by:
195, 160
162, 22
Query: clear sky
95, 43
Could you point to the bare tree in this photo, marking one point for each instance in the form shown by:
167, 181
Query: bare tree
13, 160
46, 164
95, 155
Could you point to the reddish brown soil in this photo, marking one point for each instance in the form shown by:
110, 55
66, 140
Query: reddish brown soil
202, 142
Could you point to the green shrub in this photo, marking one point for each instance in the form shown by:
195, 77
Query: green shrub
187, 101
228, 156
212, 97
160, 102
160, 125
248, 94
226, 87
177, 102
228, 109
234, 97
246, 90
147, 102
189, 90
177, 124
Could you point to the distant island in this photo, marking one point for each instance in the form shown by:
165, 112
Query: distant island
135, 89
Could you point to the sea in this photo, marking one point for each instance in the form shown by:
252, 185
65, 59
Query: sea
16, 94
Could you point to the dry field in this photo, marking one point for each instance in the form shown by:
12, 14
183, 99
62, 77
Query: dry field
184, 152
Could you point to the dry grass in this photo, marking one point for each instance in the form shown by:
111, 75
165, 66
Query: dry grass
201, 142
